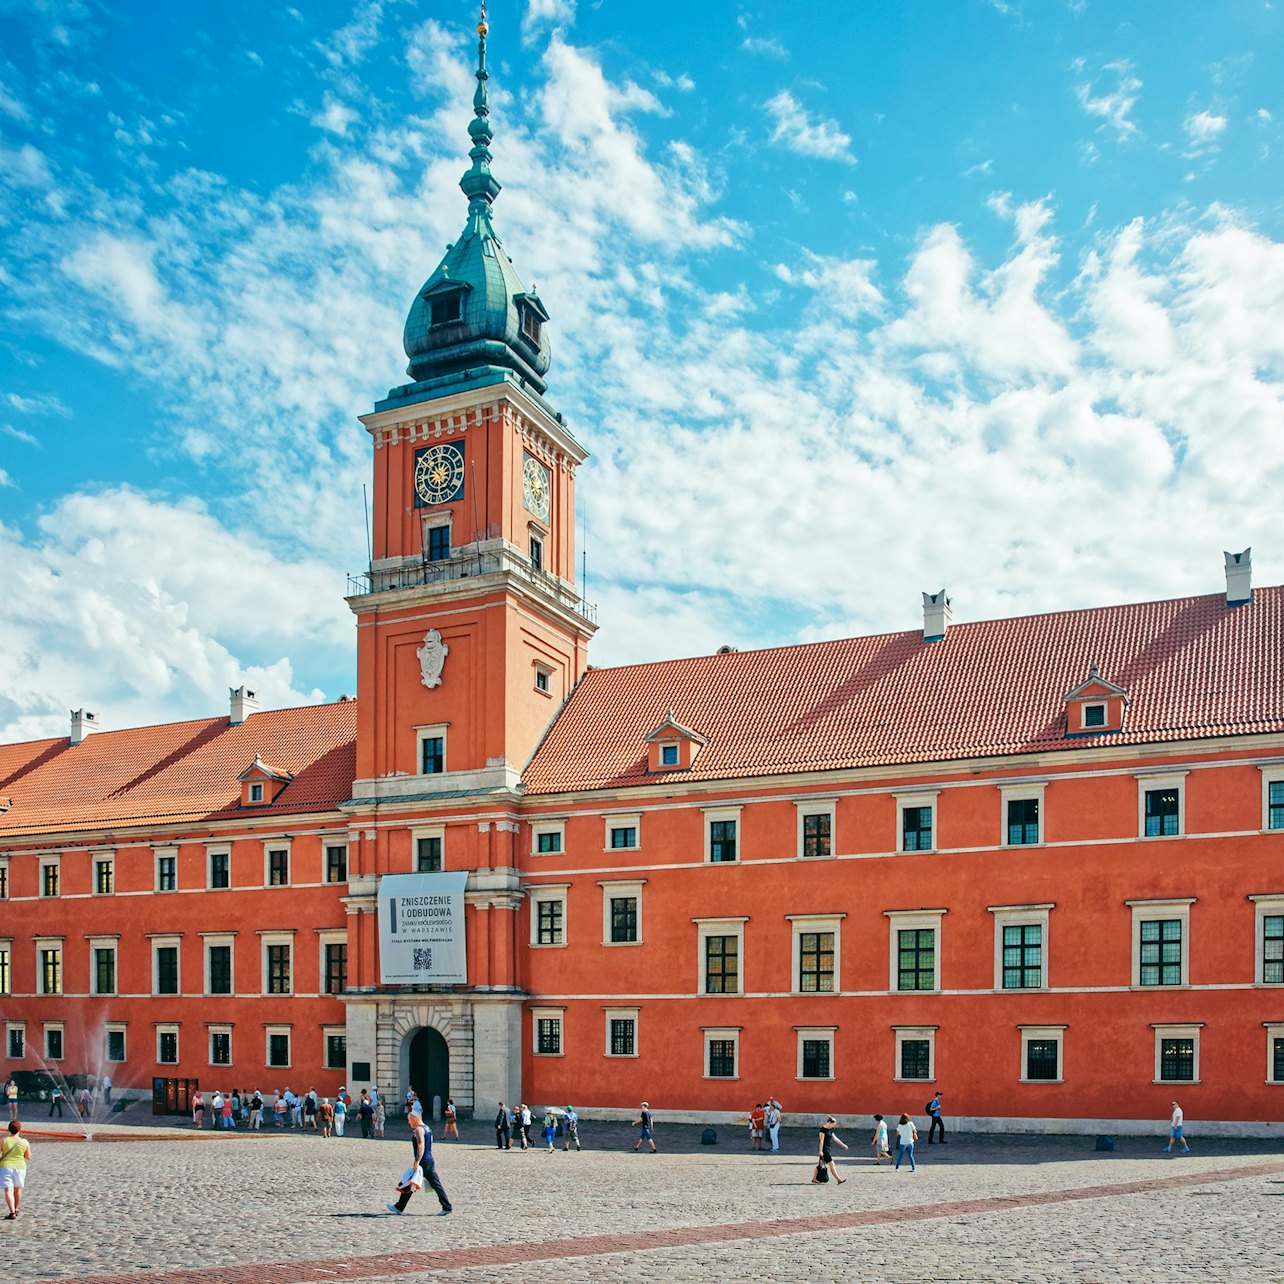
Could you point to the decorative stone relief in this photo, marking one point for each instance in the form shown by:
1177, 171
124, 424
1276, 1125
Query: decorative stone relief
432, 658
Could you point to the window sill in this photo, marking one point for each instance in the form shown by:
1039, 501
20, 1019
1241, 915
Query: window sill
617, 944
814, 1078
902, 1079
622, 1056
1037, 1082
550, 1056
1177, 1083
548, 945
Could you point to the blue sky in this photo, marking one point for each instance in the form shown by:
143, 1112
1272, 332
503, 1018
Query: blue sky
848, 303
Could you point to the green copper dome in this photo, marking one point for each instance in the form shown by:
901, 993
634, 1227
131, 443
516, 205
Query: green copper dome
473, 312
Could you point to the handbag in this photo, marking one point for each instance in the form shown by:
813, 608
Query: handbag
822, 1172
412, 1179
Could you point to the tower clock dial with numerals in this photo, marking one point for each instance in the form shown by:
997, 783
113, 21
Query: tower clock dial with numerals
439, 474
536, 486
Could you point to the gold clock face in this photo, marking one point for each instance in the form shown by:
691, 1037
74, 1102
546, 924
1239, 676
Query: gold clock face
536, 485
439, 474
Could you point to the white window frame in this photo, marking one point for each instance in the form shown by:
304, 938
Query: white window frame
1084, 706
621, 1014
327, 845
44, 943
543, 893
917, 1034
1153, 783
917, 798
712, 815
326, 936
620, 890
10, 1029
45, 863
433, 523
329, 1032
104, 858
4, 881
111, 943
1274, 1030
426, 831
548, 1014
173, 1028
557, 827
432, 732
1053, 1033
208, 941
174, 942
115, 1027
1021, 793
1265, 906
815, 1034
158, 854
226, 1029
212, 850
720, 1032
817, 807
1188, 1030
1270, 776
1020, 916
548, 673
279, 1029
6, 949
61, 1028
1143, 911
277, 845
255, 791
802, 923
907, 920
707, 927
622, 820
666, 746
277, 937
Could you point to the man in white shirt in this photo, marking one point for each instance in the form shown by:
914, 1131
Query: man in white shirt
1177, 1126
773, 1122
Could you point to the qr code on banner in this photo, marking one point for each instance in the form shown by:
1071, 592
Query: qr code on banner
423, 958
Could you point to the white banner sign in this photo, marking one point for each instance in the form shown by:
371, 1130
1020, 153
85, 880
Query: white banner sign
421, 929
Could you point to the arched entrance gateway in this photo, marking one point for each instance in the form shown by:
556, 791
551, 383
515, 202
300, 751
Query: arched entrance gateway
429, 1070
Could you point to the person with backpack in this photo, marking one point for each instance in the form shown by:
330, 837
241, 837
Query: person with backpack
570, 1129
646, 1122
933, 1109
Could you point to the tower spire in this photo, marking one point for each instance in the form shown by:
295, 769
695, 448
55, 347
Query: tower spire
479, 184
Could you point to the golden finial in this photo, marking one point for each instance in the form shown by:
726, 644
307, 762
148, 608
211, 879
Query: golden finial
483, 27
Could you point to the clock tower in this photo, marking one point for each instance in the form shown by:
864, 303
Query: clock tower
470, 635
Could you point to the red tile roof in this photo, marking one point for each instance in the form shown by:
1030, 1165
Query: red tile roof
1192, 667
180, 771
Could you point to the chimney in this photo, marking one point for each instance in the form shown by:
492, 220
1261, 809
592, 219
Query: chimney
244, 703
82, 723
937, 616
1239, 578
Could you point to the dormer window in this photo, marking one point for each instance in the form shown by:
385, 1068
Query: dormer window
531, 326
672, 747
256, 793
669, 755
531, 317
446, 309
1095, 707
1094, 715
261, 784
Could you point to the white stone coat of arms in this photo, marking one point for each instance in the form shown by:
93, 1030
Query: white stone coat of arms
432, 658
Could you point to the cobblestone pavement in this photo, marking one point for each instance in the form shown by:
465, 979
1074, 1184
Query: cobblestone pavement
286, 1208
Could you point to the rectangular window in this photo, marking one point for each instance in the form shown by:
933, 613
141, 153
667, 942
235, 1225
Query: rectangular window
446, 310
668, 755
438, 543
278, 972
916, 958
336, 967
1273, 949
623, 1040
219, 869
624, 919
815, 1059
1177, 1060
104, 877
1277, 1060
166, 873
916, 1058
1023, 956
816, 962
220, 1047
428, 854
537, 554
548, 1040
1041, 1059
548, 842
256, 793
550, 922
279, 867
623, 836
722, 840
336, 1051
1094, 715
4, 881
167, 969
220, 969
51, 971
916, 829
5, 981
722, 965
49, 880
816, 834
1023, 821
278, 1049
115, 1045
543, 680
336, 864
1160, 952
53, 1043
722, 1058
167, 1047
1162, 812
433, 755
17, 1043
104, 971
1275, 805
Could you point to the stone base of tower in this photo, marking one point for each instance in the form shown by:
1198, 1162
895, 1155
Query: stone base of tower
467, 1047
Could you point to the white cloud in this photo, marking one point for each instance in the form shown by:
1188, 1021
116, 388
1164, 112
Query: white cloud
335, 117
1203, 131
546, 13
800, 131
1112, 102
766, 46
40, 404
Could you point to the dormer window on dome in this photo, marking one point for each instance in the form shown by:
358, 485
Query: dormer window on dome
672, 747
1095, 707
533, 315
445, 301
261, 785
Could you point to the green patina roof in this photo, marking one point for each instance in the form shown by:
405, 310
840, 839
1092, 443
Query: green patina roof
485, 327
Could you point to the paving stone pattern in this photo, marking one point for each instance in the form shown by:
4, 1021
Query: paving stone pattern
284, 1208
